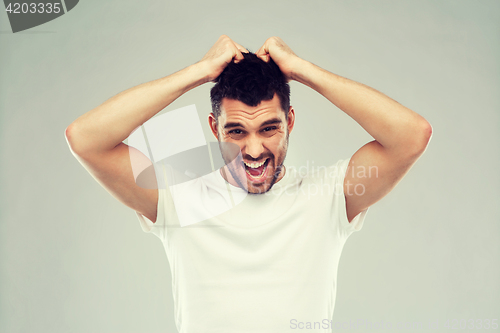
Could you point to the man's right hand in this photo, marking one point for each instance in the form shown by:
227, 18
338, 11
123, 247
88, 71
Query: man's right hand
220, 55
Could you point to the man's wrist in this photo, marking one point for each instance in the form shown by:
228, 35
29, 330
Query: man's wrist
311, 75
191, 77
300, 70
201, 72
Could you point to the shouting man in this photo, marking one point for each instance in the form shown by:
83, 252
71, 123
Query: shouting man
268, 264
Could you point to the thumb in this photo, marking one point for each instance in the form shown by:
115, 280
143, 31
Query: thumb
238, 56
263, 53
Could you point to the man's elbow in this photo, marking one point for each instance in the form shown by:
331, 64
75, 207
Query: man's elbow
421, 138
71, 135
426, 132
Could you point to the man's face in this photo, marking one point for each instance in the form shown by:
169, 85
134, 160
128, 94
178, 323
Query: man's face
261, 133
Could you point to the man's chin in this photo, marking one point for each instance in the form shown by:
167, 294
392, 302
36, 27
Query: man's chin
263, 187
259, 189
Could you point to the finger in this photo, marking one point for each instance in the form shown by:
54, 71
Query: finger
264, 57
262, 50
238, 50
238, 56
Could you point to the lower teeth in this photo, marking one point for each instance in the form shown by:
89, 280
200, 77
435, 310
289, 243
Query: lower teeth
263, 170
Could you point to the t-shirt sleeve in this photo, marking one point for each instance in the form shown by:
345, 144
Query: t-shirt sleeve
157, 228
346, 228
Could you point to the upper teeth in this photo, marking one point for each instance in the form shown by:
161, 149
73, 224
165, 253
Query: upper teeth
255, 165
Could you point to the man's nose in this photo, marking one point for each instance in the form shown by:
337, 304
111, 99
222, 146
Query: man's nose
254, 147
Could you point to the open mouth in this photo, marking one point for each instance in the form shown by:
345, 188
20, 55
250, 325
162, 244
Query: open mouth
256, 171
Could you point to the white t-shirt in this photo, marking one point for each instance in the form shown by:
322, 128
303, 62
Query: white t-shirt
265, 265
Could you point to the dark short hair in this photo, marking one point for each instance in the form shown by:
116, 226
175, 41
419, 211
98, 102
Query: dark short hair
250, 81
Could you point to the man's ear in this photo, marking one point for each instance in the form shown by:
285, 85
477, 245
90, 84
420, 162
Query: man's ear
213, 125
291, 119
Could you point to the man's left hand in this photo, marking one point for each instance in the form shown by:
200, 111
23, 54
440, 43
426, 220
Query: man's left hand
281, 54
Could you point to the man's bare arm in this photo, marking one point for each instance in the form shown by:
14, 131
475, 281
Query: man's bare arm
95, 138
104, 127
401, 135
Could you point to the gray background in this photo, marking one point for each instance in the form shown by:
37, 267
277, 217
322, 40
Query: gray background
74, 259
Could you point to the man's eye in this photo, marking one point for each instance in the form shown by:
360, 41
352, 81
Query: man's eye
269, 131
236, 134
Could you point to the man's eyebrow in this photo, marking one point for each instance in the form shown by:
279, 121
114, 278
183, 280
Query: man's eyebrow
231, 125
271, 121
267, 122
